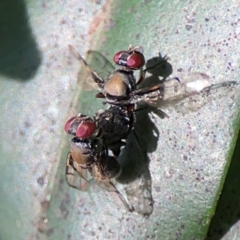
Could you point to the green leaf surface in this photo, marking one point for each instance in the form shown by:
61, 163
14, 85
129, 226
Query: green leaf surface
189, 155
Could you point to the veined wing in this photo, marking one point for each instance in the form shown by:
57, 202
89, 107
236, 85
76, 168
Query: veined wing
136, 175
103, 170
76, 176
98, 63
188, 94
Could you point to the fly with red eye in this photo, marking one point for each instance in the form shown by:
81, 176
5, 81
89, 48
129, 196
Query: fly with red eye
110, 127
98, 142
132, 58
89, 156
81, 126
121, 87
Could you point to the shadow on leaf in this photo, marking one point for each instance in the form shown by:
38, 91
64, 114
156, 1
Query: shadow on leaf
19, 54
228, 208
134, 158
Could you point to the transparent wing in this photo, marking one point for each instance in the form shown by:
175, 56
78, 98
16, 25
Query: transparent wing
103, 170
98, 63
136, 175
139, 194
190, 93
109, 186
76, 176
188, 85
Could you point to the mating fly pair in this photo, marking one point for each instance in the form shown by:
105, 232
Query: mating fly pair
97, 143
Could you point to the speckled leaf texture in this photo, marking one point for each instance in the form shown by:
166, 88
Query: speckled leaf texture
187, 159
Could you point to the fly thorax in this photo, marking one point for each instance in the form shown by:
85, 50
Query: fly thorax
115, 86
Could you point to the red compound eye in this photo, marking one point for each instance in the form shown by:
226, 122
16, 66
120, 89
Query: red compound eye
85, 129
136, 60
68, 124
81, 126
117, 56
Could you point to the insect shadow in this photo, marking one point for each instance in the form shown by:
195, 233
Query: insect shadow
134, 158
143, 139
20, 56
